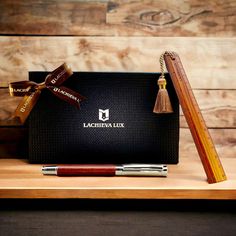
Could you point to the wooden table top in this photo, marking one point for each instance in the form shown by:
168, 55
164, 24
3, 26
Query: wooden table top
187, 180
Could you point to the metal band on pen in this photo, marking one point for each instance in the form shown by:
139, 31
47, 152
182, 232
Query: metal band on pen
49, 170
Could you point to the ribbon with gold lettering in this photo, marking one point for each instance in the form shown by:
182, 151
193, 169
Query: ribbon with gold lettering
30, 91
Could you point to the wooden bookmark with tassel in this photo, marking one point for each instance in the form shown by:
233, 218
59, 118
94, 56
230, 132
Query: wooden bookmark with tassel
162, 104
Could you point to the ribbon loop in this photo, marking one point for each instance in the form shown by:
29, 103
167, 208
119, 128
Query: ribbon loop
30, 91
22, 88
59, 75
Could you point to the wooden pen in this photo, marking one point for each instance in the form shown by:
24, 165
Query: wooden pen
106, 170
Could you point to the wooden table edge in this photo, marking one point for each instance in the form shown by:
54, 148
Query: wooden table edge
41, 193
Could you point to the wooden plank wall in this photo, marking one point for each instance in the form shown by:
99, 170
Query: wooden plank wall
123, 36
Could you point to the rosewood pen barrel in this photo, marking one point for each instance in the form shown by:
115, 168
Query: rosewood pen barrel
86, 170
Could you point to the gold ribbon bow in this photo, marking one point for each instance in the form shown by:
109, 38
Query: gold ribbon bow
30, 91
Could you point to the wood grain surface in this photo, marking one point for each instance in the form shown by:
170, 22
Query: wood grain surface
119, 18
217, 106
209, 63
187, 180
8, 105
167, 18
224, 141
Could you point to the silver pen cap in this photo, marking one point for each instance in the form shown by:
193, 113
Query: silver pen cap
142, 170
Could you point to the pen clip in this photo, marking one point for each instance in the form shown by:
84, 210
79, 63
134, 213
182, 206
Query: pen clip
144, 167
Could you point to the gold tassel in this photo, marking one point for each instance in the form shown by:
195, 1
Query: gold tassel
162, 104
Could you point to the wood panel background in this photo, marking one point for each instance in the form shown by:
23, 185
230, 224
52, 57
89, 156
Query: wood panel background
123, 36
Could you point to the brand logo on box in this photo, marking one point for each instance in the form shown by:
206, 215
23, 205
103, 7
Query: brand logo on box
103, 115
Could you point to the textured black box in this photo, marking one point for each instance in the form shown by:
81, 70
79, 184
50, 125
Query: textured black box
60, 133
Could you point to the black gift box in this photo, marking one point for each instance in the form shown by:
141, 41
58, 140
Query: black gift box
115, 123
